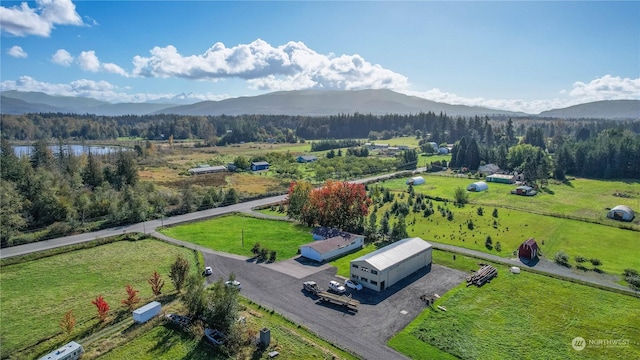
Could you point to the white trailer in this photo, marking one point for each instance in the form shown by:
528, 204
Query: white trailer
71, 351
146, 312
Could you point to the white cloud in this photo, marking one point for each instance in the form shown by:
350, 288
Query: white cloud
607, 88
62, 57
87, 60
17, 52
101, 90
286, 67
23, 20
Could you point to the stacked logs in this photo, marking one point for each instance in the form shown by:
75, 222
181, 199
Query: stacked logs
482, 276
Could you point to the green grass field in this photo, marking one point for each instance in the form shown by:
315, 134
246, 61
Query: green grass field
291, 340
582, 198
524, 316
225, 234
36, 294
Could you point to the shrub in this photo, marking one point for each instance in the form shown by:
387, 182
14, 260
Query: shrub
498, 246
470, 224
580, 259
562, 259
480, 211
488, 243
495, 213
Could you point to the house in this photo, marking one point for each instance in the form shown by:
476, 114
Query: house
416, 180
70, 351
333, 247
307, 158
259, 166
524, 191
501, 178
478, 186
621, 213
488, 169
206, 169
386, 266
528, 249
147, 312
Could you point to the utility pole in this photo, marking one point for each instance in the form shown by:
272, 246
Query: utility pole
242, 237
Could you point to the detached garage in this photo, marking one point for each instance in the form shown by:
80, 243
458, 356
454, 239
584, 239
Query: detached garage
384, 267
621, 213
478, 186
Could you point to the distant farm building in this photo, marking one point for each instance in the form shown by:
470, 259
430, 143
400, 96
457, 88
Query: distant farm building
528, 250
524, 191
621, 213
501, 178
433, 145
206, 169
259, 166
443, 151
488, 169
325, 249
478, 186
384, 267
307, 158
403, 147
71, 351
416, 180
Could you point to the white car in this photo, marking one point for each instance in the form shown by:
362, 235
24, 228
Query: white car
208, 270
234, 284
352, 284
336, 287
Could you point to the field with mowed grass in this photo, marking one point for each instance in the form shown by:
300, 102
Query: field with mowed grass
290, 340
579, 198
36, 294
524, 316
225, 233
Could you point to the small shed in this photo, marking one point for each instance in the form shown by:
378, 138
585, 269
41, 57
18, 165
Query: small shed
307, 158
524, 191
416, 180
621, 213
259, 166
528, 249
478, 186
146, 312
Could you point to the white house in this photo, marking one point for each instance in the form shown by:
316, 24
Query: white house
324, 250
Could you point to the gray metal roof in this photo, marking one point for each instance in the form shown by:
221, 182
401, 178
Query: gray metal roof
394, 253
624, 208
325, 246
201, 169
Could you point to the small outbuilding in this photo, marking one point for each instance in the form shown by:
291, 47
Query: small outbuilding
501, 178
306, 158
259, 166
478, 186
147, 312
524, 191
207, 169
528, 250
416, 180
621, 213
386, 266
333, 247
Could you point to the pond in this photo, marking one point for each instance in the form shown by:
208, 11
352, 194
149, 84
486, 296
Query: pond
25, 150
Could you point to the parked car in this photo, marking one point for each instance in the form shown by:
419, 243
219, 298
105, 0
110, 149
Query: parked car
234, 284
352, 284
208, 271
336, 287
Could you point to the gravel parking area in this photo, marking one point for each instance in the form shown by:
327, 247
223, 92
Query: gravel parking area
364, 333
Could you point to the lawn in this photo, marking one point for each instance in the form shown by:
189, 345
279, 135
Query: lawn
524, 316
226, 234
580, 198
291, 340
36, 294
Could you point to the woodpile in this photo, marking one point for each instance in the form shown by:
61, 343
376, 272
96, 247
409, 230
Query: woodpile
482, 276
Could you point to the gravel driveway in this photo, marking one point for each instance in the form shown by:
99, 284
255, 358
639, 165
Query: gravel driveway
364, 333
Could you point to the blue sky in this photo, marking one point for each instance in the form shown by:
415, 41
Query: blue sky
525, 56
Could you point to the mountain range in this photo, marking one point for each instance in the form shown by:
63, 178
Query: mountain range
297, 102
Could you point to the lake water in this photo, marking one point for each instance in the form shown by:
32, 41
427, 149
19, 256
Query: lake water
25, 150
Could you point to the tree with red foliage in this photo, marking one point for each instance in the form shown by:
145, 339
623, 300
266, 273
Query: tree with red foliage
103, 307
341, 205
156, 283
132, 298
